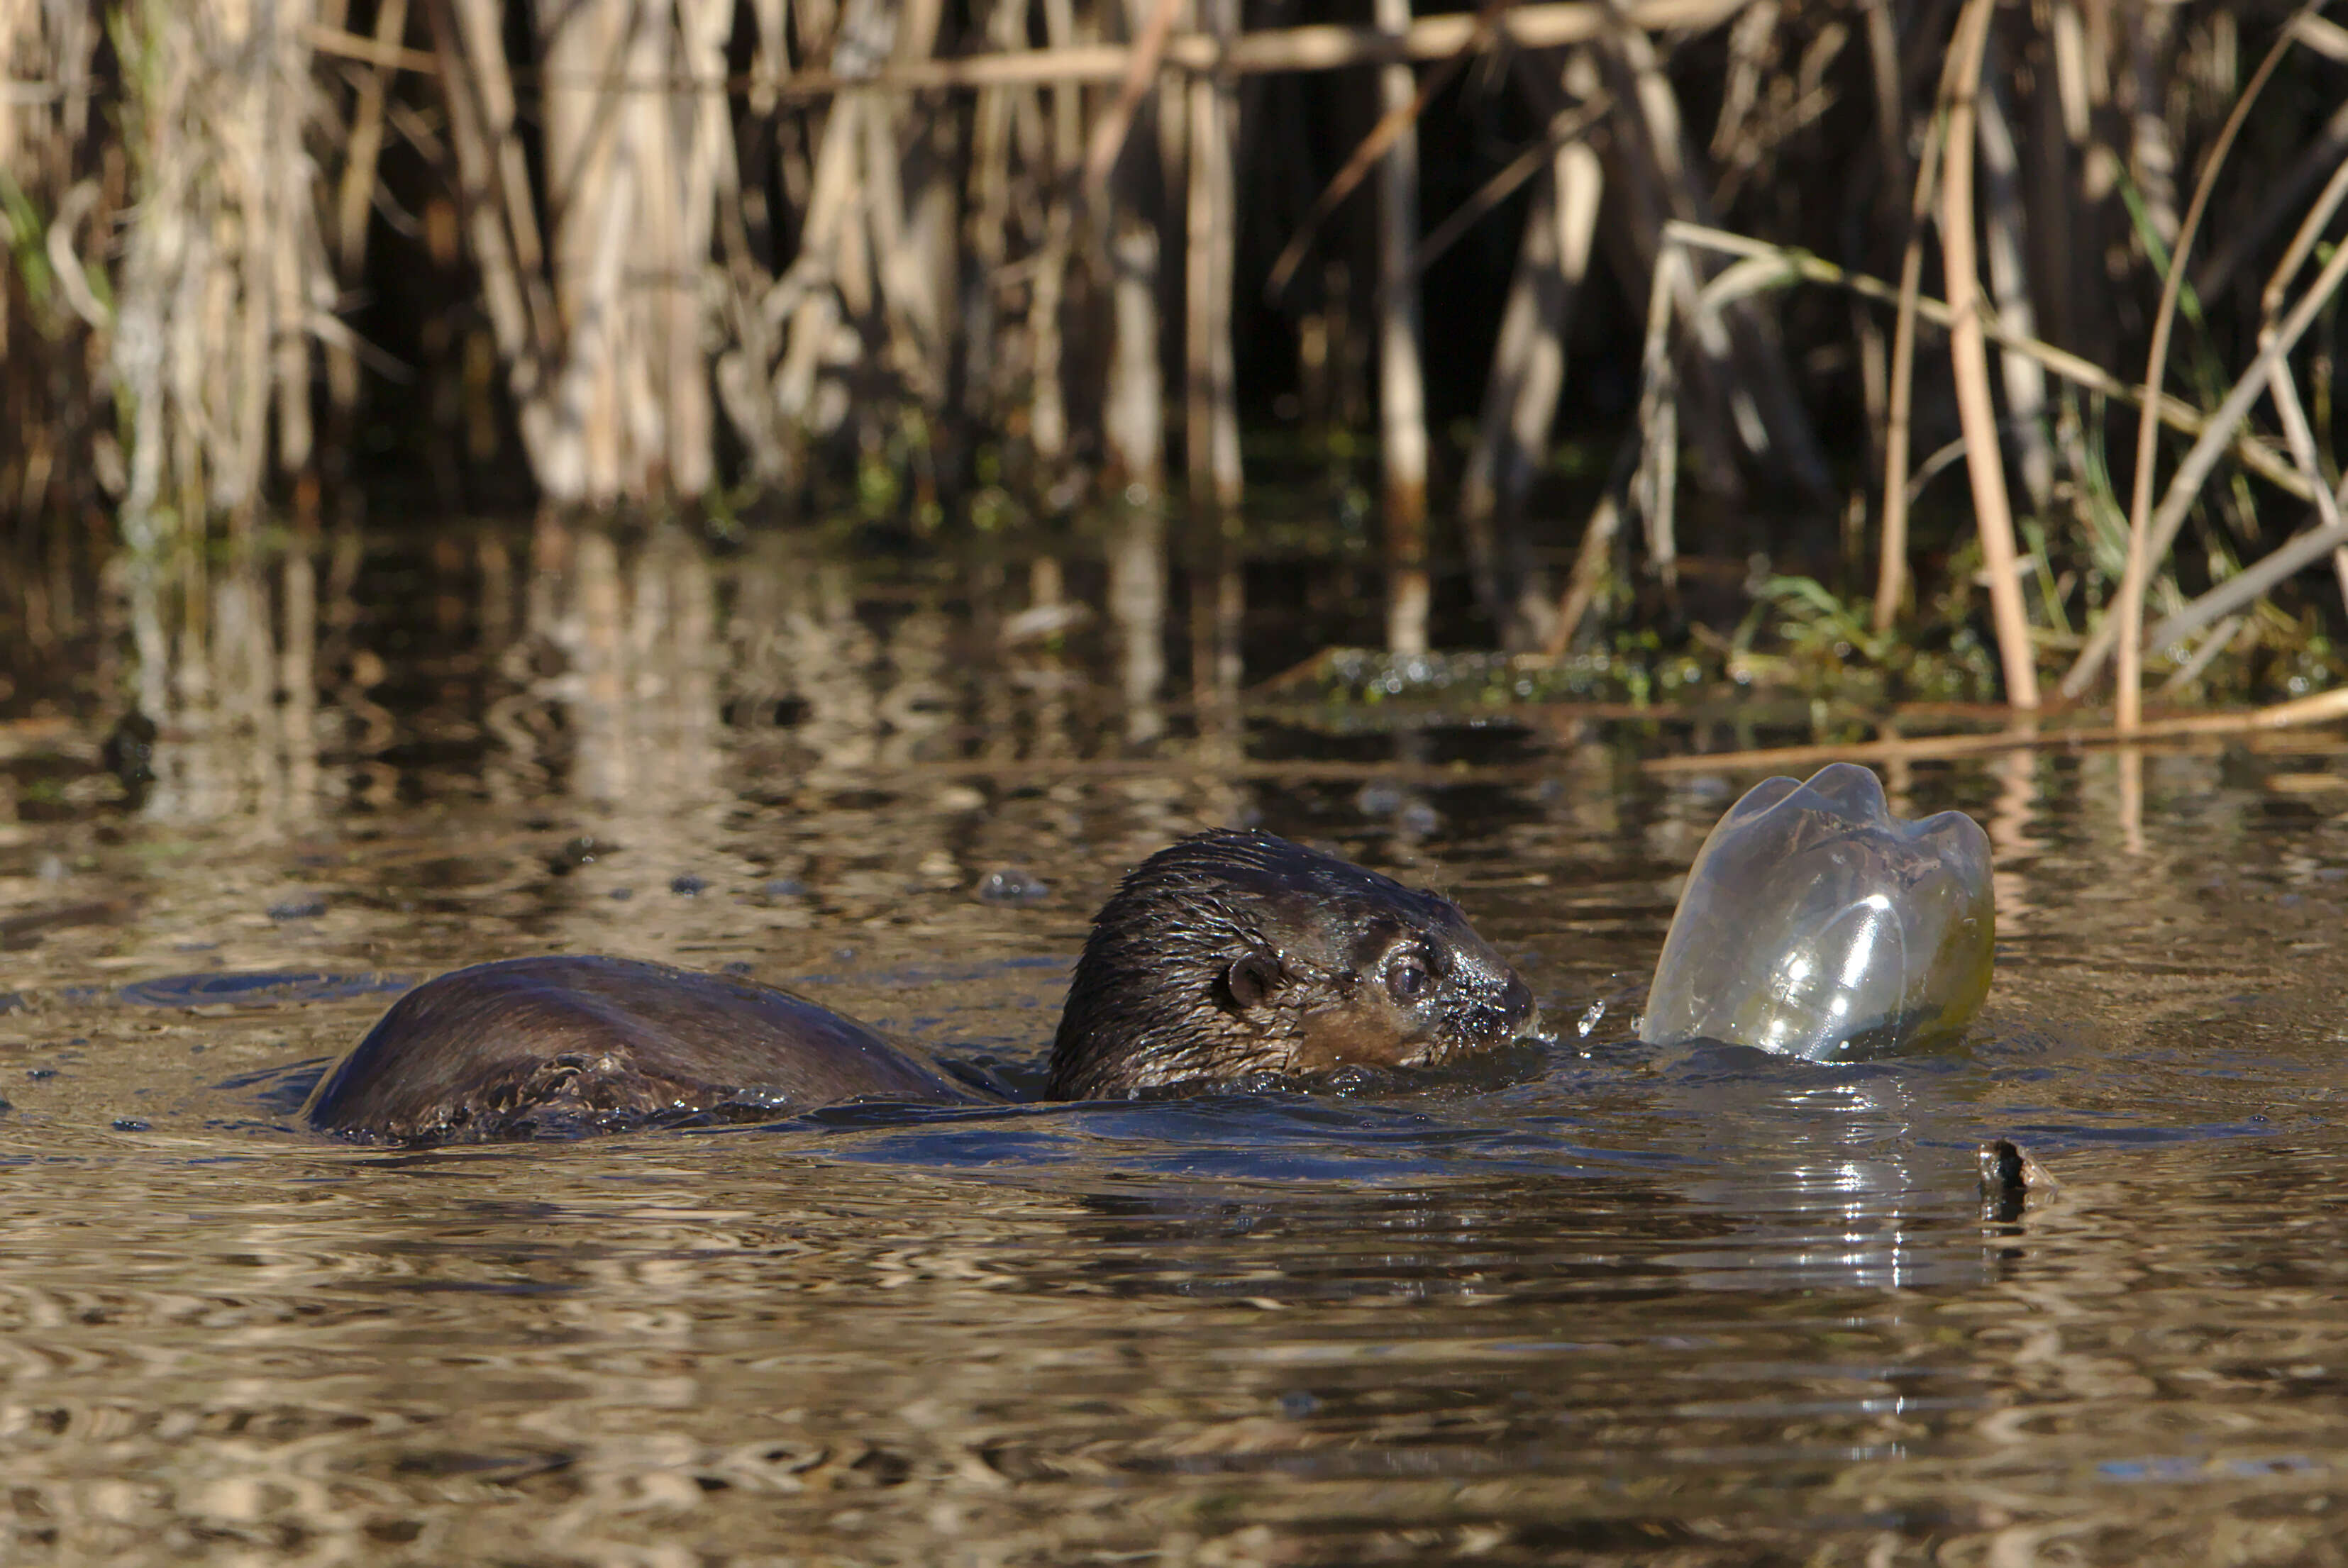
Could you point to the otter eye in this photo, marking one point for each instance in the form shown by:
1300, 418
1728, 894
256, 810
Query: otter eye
1250, 980
1408, 979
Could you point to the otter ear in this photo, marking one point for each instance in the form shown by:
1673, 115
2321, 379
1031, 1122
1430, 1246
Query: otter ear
1251, 979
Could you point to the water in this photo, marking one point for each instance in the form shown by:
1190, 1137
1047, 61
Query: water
1604, 1303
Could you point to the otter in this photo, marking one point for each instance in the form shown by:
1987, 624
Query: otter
1227, 956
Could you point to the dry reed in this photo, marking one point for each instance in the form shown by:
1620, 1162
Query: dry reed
923, 257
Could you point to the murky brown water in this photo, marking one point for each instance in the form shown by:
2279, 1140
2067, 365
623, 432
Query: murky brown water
1700, 1308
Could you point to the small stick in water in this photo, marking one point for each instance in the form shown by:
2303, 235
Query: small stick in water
2008, 1175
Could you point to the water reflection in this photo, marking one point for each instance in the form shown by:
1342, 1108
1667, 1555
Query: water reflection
623, 666
733, 1357
1605, 1304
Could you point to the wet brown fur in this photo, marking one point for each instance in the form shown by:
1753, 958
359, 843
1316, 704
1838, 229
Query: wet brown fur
560, 1044
1232, 954
1226, 955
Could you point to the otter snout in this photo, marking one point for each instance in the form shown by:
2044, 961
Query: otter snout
1520, 1012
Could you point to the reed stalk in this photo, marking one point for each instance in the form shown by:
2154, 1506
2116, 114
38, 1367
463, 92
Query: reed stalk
2254, 581
2185, 484
211, 330
829, 277
354, 202
1892, 550
2323, 158
2296, 427
2152, 158
1133, 417
1656, 486
2026, 734
2004, 228
912, 209
1402, 393
1551, 24
494, 192
1788, 264
2126, 623
1587, 580
1969, 359
1047, 426
1739, 356
1211, 446
786, 204
1141, 73
1399, 115
54, 331
1567, 127
987, 336
1521, 396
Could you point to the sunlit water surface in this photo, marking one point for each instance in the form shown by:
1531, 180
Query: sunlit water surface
1608, 1305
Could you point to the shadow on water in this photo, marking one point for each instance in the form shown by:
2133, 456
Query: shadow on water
1605, 1302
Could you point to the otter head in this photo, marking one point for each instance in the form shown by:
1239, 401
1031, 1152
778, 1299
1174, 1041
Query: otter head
1232, 953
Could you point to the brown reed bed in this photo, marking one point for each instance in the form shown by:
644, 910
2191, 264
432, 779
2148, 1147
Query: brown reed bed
1630, 301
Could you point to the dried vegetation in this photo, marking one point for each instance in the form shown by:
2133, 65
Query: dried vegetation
956, 267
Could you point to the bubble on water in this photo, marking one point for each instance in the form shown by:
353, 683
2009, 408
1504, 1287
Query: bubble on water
1013, 885
583, 850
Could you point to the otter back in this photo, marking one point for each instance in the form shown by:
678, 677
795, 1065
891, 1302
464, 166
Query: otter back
554, 1044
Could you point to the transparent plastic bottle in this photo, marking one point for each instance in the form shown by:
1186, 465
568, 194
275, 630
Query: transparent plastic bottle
1817, 924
